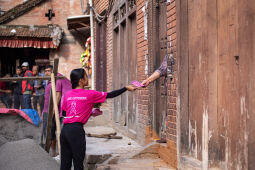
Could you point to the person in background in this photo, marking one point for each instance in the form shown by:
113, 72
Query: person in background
4, 93
38, 96
27, 86
17, 90
62, 86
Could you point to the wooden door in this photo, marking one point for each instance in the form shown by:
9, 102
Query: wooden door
216, 55
159, 46
132, 72
116, 74
124, 58
124, 68
101, 56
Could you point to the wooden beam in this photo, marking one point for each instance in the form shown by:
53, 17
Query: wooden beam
50, 110
56, 111
85, 25
30, 78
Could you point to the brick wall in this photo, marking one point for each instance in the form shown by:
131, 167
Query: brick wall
144, 127
101, 6
169, 154
5, 5
109, 60
144, 131
72, 43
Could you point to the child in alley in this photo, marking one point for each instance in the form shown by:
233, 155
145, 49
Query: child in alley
77, 107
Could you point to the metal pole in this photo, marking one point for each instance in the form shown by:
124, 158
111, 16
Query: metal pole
92, 45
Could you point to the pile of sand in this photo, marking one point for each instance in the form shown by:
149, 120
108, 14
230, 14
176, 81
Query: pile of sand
14, 127
25, 155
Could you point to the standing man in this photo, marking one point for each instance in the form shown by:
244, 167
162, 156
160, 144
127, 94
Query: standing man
27, 86
62, 86
39, 86
17, 90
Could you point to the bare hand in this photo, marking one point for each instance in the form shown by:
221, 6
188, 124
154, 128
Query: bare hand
131, 88
145, 82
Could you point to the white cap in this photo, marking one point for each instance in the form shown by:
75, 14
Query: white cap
25, 64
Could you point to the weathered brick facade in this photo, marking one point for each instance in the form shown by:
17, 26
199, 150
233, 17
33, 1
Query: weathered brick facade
144, 132
170, 153
72, 45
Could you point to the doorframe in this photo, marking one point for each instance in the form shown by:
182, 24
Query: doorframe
183, 78
99, 26
153, 54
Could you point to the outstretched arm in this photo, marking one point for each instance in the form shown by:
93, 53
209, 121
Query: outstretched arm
116, 93
152, 78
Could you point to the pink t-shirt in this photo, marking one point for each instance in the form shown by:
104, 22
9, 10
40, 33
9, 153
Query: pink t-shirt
62, 85
78, 104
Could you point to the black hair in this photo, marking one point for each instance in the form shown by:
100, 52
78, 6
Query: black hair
49, 66
76, 75
18, 68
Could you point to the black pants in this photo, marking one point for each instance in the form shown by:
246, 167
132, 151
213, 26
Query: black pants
18, 101
73, 146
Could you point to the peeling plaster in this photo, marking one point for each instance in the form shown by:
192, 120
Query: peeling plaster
71, 3
199, 62
227, 142
146, 67
145, 13
193, 131
205, 139
243, 140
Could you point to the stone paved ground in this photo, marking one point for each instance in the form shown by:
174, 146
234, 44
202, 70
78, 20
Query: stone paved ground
118, 154
137, 164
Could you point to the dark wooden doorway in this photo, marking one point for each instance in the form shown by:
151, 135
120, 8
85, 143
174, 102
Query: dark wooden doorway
12, 57
158, 44
101, 56
124, 64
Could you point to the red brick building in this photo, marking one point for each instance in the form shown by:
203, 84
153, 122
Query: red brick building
30, 19
206, 114
138, 36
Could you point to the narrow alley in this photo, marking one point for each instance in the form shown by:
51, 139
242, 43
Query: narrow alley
127, 84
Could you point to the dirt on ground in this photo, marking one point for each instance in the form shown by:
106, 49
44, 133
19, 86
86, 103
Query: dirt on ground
15, 127
25, 155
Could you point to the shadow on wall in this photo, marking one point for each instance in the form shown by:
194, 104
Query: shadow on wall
80, 36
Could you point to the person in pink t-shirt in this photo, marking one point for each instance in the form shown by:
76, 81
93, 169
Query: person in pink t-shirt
62, 87
77, 107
